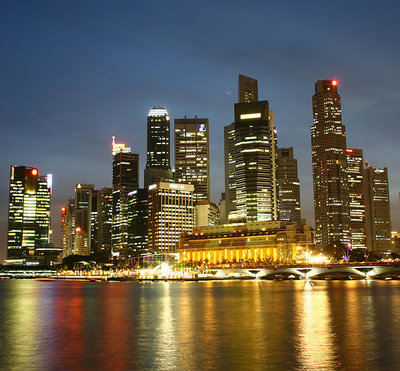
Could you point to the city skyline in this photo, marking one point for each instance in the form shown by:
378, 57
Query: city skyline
64, 127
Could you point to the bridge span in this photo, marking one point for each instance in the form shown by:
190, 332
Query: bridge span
305, 271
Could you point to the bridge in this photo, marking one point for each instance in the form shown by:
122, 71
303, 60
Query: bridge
374, 270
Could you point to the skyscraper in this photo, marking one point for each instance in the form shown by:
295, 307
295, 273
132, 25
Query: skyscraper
288, 186
104, 220
377, 210
158, 165
250, 164
83, 218
68, 228
138, 211
328, 142
28, 212
356, 197
192, 159
125, 180
248, 89
86, 221
125, 167
171, 213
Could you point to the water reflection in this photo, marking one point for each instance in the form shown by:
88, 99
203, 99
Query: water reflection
315, 337
165, 343
208, 325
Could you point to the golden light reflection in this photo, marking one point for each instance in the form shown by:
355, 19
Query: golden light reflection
165, 339
315, 332
24, 318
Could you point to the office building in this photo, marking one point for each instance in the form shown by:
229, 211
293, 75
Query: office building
85, 223
125, 167
68, 228
377, 210
354, 159
288, 186
223, 216
171, 213
104, 220
158, 167
206, 213
192, 155
125, 180
248, 89
328, 142
250, 164
28, 212
138, 222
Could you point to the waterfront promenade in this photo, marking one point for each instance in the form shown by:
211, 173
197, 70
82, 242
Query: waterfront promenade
365, 270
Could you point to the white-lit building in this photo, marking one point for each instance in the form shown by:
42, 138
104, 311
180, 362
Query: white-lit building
171, 213
206, 213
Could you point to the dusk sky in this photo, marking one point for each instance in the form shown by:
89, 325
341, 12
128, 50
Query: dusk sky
74, 73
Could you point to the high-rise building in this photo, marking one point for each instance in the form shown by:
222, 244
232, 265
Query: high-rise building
158, 167
354, 159
171, 213
28, 212
328, 142
288, 186
192, 159
250, 164
104, 220
85, 205
138, 222
125, 180
125, 167
248, 89
377, 210
68, 228
86, 221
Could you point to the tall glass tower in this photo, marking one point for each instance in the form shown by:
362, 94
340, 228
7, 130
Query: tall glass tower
29, 212
158, 165
192, 161
125, 180
250, 164
328, 143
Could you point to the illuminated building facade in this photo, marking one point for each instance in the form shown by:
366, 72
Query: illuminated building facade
85, 222
192, 159
68, 228
267, 242
377, 210
288, 186
138, 222
158, 167
248, 89
28, 212
206, 213
125, 180
328, 142
171, 213
354, 159
104, 220
250, 164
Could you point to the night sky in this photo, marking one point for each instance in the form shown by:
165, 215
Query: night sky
74, 73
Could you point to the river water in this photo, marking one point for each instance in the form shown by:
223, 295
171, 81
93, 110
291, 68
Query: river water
222, 325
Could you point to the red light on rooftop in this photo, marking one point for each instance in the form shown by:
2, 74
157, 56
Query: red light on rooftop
334, 82
78, 229
34, 172
349, 150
